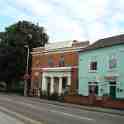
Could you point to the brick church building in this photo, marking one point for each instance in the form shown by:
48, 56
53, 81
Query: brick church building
55, 68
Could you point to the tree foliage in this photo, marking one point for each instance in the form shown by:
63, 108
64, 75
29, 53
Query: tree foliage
23, 33
12, 48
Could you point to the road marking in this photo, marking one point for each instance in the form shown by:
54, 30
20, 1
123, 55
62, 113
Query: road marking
5, 119
24, 103
7, 99
72, 115
20, 116
58, 112
32, 106
112, 115
103, 113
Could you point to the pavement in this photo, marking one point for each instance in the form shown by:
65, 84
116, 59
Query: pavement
52, 112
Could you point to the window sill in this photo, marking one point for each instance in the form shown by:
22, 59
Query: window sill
92, 71
112, 70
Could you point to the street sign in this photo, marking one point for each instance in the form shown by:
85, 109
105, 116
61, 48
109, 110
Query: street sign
26, 76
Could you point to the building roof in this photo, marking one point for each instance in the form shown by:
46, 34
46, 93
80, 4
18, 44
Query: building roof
106, 42
62, 46
58, 45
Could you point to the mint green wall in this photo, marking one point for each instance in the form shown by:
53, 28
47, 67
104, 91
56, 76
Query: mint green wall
102, 57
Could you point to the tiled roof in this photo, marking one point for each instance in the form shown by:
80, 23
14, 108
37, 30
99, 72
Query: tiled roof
106, 42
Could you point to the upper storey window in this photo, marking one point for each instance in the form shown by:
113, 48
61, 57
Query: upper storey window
93, 66
112, 62
62, 61
50, 61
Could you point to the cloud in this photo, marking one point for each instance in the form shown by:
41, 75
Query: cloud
35, 7
69, 19
65, 28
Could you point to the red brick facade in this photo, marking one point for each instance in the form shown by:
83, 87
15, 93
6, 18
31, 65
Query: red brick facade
40, 60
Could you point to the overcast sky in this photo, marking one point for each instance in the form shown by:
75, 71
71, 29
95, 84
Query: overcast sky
67, 19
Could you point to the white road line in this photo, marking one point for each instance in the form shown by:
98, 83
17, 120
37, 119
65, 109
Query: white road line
112, 115
58, 112
72, 115
5, 119
25, 104
7, 99
24, 118
103, 113
32, 106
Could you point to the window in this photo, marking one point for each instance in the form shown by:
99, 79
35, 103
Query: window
62, 61
64, 82
50, 61
93, 66
112, 62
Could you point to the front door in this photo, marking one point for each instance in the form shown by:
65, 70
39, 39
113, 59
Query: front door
113, 89
56, 85
93, 88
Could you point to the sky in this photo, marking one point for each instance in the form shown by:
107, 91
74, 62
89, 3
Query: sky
67, 19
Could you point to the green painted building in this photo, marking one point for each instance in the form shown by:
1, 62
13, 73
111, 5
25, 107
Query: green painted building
101, 68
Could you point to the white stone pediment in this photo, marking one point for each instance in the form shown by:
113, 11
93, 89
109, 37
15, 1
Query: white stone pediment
57, 69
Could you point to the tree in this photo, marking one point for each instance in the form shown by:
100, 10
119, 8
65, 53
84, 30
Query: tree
25, 33
8, 64
12, 48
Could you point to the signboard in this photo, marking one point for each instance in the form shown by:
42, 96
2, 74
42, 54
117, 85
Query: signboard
36, 74
26, 76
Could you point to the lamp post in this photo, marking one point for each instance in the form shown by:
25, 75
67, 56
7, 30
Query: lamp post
26, 72
28, 38
0, 40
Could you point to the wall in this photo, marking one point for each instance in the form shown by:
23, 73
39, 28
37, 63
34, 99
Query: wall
42, 60
102, 57
89, 101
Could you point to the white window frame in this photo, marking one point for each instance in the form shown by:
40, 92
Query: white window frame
90, 66
110, 58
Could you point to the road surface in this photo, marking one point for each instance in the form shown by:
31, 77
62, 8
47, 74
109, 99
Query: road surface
53, 114
6, 119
